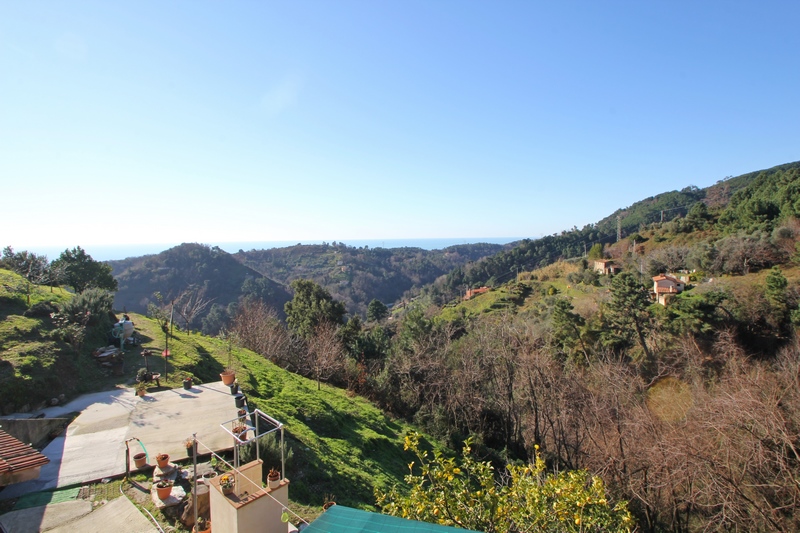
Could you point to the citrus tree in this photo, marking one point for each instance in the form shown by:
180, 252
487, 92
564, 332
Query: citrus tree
529, 499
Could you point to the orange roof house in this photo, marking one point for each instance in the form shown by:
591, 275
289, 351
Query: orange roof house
475, 292
664, 286
18, 462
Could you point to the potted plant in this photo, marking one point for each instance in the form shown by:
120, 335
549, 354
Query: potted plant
191, 446
187, 383
140, 459
274, 478
226, 483
164, 489
163, 460
141, 388
227, 376
202, 525
240, 432
239, 400
234, 387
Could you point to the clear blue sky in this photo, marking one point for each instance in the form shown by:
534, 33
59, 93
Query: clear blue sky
200, 121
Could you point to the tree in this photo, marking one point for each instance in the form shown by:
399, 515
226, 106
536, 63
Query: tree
468, 495
34, 268
81, 272
257, 327
190, 304
776, 295
376, 311
325, 356
629, 307
566, 327
596, 251
311, 306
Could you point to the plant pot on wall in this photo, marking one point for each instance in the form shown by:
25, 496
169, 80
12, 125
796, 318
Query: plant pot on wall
240, 432
274, 479
187, 383
140, 460
227, 483
162, 460
227, 377
240, 400
191, 446
234, 387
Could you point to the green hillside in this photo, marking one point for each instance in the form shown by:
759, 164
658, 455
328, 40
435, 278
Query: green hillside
36, 363
210, 275
356, 276
747, 205
343, 445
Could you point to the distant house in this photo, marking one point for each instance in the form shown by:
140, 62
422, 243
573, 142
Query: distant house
606, 267
664, 286
475, 292
18, 462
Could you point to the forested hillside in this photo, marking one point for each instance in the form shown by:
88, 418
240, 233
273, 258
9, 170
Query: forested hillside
356, 276
205, 284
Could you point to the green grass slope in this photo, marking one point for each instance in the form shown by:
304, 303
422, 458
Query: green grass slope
343, 445
35, 365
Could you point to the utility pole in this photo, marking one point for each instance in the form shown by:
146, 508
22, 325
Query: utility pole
584, 249
662, 216
619, 228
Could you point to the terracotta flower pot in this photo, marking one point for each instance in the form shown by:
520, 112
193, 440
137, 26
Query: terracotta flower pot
240, 432
163, 492
163, 460
227, 377
140, 459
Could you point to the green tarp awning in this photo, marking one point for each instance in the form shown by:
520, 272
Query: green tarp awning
341, 519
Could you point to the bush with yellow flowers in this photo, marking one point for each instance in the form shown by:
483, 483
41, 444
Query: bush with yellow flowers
470, 496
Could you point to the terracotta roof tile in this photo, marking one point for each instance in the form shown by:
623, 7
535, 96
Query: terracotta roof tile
16, 456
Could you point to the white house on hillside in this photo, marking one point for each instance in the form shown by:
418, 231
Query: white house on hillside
665, 285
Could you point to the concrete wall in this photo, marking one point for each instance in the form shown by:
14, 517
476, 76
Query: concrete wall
261, 511
33, 431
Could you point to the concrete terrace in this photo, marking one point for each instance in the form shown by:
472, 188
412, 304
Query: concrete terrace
93, 446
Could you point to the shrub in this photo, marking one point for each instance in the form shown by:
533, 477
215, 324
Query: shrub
91, 308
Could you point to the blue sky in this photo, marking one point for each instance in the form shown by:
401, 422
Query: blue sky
167, 122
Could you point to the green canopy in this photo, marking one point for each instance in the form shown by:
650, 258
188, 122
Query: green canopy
341, 519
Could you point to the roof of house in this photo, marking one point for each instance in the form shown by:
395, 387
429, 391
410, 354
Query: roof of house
16, 456
662, 277
341, 519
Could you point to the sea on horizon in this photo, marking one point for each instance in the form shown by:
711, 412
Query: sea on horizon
114, 252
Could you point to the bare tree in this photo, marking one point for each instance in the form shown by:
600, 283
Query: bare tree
190, 304
258, 328
326, 356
